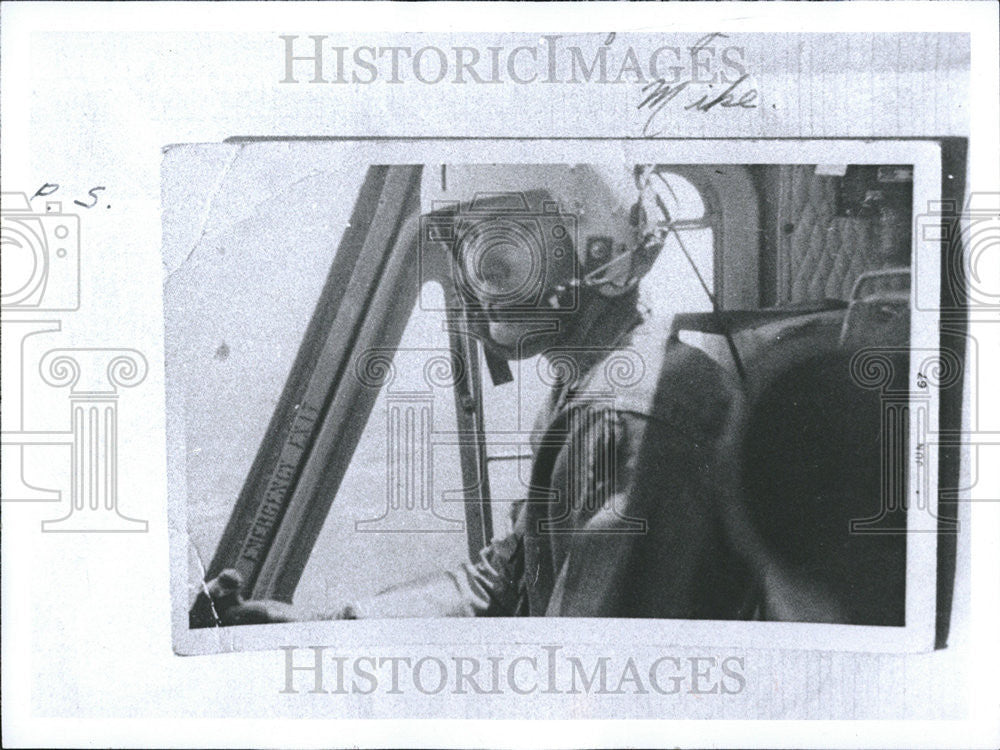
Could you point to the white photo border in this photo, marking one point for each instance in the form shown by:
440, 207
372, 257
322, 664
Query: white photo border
918, 634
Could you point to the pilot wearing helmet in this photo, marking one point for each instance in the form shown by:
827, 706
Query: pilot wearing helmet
629, 511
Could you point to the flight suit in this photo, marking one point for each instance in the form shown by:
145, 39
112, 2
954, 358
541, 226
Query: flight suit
624, 514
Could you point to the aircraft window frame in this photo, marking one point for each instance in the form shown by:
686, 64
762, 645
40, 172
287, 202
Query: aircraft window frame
376, 245
733, 208
415, 419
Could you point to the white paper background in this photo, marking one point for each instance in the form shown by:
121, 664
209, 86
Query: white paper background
90, 95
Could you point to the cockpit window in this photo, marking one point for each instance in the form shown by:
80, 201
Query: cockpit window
684, 272
677, 198
399, 510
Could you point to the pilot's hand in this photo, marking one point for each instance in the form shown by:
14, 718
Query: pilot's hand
220, 603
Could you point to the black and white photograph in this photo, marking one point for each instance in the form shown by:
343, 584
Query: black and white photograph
500, 375
594, 390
